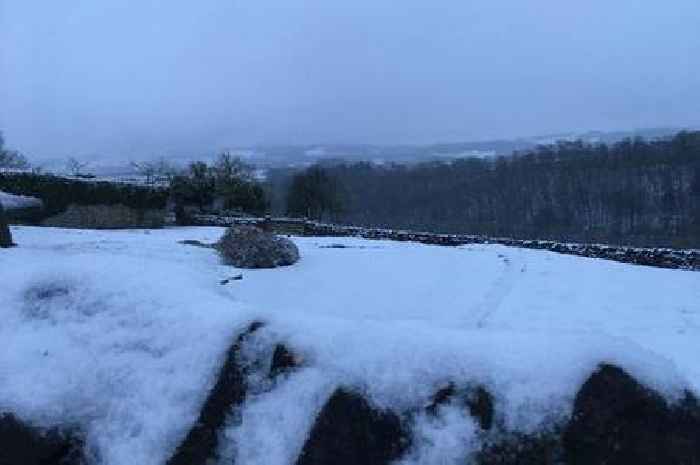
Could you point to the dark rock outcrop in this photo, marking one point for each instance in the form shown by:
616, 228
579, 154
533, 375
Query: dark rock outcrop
350, 431
21, 444
617, 421
251, 247
201, 443
5, 234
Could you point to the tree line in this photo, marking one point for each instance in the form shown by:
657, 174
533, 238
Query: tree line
637, 192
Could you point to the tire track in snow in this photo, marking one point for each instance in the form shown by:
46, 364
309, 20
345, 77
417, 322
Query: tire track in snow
499, 290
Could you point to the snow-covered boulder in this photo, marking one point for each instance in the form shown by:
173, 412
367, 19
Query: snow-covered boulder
251, 247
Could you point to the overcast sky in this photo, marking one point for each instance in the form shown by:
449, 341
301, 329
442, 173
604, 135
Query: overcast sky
141, 78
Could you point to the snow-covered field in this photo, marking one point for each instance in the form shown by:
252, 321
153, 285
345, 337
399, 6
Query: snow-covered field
123, 331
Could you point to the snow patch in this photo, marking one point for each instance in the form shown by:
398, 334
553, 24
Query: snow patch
16, 202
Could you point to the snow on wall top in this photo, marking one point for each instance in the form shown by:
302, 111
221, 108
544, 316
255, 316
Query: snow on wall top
123, 331
15, 202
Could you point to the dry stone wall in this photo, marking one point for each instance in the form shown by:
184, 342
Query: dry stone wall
106, 217
658, 257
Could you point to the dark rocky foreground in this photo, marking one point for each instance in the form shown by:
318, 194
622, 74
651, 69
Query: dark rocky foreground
615, 421
22, 444
349, 431
657, 257
202, 441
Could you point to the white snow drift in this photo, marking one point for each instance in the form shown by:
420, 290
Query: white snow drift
122, 332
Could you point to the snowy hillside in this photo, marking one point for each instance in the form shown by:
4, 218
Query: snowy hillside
122, 333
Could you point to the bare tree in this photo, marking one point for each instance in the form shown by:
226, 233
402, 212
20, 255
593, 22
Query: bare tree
11, 158
229, 166
166, 169
146, 169
160, 170
76, 167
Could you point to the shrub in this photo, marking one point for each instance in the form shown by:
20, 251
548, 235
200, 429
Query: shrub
229, 183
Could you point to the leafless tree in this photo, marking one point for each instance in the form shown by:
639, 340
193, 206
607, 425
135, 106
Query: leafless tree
160, 170
76, 167
11, 158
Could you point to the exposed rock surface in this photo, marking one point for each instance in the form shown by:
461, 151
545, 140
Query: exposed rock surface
21, 444
251, 247
201, 443
350, 431
617, 421
519, 449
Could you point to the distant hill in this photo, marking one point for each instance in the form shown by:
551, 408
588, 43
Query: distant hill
277, 156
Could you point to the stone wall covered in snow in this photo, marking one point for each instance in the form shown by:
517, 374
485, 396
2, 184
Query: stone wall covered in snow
658, 257
18, 202
615, 420
374, 354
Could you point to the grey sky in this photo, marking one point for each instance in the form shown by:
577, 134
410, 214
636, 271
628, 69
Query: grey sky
141, 78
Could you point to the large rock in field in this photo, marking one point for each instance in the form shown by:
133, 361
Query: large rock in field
350, 431
251, 247
5, 235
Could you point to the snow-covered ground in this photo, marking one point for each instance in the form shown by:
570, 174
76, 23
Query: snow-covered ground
122, 332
